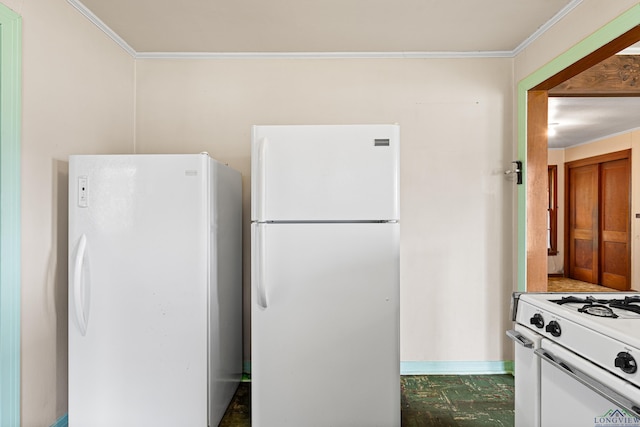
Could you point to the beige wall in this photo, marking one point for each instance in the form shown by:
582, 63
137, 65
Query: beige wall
624, 141
78, 89
455, 120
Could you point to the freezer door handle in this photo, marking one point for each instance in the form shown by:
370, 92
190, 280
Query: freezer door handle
595, 385
79, 285
520, 339
261, 178
261, 291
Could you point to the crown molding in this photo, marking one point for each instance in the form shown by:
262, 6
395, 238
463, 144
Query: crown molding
321, 55
547, 25
102, 26
77, 4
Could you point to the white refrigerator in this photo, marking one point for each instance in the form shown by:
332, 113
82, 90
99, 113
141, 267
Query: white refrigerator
325, 276
155, 290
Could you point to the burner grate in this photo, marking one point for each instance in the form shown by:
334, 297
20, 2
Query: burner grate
598, 310
586, 300
626, 304
602, 307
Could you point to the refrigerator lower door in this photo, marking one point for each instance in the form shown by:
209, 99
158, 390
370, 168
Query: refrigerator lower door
325, 325
138, 303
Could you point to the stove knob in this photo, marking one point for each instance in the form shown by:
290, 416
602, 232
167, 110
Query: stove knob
626, 362
553, 328
537, 320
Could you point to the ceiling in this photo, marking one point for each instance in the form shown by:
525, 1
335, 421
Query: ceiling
358, 28
326, 25
581, 120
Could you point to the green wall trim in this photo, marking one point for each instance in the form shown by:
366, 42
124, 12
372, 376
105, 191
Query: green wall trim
10, 124
456, 367
604, 35
63, 421
440, 368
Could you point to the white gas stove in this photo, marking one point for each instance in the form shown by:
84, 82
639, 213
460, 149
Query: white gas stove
576, 362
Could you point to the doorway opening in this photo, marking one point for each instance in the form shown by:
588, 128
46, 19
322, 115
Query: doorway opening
533, 94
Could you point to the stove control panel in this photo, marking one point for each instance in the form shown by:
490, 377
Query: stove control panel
611, 343
554, 328
537, 320
626, 362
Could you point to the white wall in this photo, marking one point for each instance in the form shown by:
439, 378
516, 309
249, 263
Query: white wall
455, 120
78, 89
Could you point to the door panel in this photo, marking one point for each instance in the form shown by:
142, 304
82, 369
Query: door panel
598, 223
583, 263
583, 223
614, 219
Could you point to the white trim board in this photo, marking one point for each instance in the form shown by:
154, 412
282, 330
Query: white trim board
321, 55
102, 26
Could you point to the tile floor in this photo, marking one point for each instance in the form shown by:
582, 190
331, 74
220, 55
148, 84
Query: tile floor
427, 401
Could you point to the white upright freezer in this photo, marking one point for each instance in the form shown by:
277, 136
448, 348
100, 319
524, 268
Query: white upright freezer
325, 276
155, 290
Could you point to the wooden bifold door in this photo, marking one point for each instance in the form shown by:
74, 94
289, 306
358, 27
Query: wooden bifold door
598, 197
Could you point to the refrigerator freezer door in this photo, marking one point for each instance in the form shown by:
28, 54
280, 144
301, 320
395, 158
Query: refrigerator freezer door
325, 173
325, 341
138, 349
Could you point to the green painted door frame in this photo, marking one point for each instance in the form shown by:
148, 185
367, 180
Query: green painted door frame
604, 35
10, 124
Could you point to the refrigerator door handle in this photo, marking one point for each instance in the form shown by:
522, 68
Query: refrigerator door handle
78, 284
261, 165
261, 291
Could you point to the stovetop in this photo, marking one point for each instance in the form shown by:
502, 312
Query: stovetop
624, 307
597, 326
616, 315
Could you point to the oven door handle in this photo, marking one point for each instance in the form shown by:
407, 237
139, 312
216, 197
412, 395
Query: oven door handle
520, 339
585, 379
